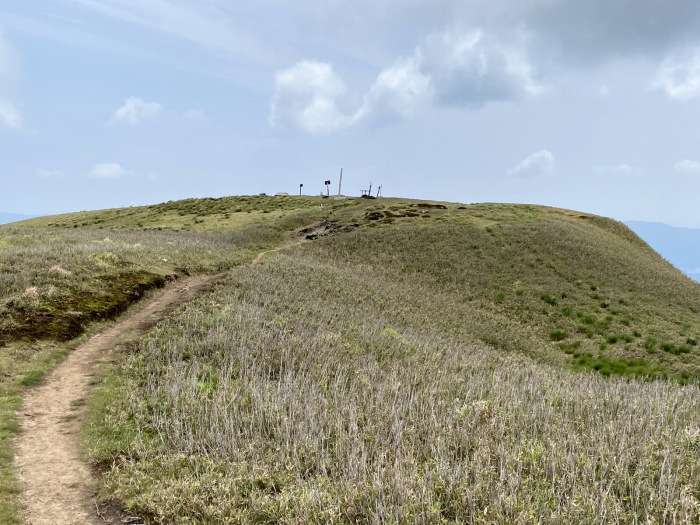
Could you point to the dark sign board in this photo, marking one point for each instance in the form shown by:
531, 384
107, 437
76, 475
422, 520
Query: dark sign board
327, 182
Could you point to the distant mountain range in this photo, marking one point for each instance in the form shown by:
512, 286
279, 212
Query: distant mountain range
679, 246
13, 217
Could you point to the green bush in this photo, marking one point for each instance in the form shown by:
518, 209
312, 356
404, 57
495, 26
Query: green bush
675, 349
558, 335
548, 299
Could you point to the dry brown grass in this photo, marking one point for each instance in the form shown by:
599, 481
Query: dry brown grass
283, 398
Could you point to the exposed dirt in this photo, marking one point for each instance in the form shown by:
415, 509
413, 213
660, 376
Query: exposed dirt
66, 316
57, 486
327, 227
289, 239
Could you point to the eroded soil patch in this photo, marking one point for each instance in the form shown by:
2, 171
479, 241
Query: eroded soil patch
64, 317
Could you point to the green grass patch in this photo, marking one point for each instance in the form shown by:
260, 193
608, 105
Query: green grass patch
33, 377
675, 349
558, 335
549, 299
570, 348
615, 338
107, 444
619, 367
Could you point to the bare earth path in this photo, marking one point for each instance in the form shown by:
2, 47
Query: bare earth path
57, 486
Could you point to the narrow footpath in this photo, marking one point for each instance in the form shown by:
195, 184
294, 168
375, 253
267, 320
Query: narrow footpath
57, 487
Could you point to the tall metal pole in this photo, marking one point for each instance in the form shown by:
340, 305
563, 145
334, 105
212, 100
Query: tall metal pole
340, 182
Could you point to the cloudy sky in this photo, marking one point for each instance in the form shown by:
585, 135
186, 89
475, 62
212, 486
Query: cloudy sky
589, 105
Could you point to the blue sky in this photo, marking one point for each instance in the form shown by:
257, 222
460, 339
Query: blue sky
589, 105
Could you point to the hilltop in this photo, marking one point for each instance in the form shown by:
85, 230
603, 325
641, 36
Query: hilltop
311, 377
558, 285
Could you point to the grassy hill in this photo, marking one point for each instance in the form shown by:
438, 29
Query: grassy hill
59, 275
405, 361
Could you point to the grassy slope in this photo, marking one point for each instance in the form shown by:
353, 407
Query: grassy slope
380, 376
550, 283
563, 287
58, 274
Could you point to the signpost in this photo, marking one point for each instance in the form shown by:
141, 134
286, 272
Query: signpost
300, 187
328, 191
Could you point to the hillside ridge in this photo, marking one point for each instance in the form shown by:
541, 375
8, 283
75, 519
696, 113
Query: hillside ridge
370, 298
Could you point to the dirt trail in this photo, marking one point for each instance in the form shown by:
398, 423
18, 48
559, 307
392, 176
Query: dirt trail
57, 486
289, 240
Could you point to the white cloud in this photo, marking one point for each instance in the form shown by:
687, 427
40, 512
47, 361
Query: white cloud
450, 69
49, 174
540, 162
9, 64
107, 170
399, 91
10, 116
193, 114
305, 97
687, 166
679, 79
213, 24
620, 169
135, 110
566, 33
472, 68
623, 169
446, 69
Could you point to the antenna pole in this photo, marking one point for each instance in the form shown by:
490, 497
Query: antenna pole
340, 182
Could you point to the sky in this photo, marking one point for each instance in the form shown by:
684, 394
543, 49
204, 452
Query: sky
679, 246
592, 106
